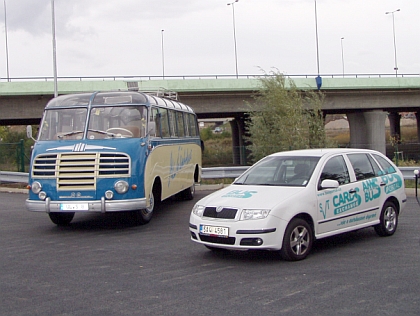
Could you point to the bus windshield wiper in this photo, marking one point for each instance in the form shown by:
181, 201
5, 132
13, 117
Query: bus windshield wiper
68, 134
102, 132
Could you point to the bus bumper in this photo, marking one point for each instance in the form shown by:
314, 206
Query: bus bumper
100, 206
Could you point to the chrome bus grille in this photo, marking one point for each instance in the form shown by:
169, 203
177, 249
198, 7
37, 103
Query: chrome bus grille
79, 171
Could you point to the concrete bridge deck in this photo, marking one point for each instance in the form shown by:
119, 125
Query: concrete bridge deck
365, 100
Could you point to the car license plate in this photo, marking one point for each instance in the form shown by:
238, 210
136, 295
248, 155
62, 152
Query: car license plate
214, 231
74, 207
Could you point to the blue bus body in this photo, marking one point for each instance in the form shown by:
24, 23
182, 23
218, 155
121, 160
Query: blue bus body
111, 152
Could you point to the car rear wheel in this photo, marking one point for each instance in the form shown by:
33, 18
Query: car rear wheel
61, 219
388, 220
297, 241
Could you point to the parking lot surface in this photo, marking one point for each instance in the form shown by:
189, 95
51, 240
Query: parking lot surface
104, 265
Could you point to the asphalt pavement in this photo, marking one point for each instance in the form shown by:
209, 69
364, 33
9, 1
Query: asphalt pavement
103, 264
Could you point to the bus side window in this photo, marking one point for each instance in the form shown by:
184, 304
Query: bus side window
180, 124
164, 122
153, 126
172, 123
192, 125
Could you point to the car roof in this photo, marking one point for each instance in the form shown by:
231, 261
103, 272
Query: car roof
319, 152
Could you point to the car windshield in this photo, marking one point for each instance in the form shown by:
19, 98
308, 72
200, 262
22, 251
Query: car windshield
280, 171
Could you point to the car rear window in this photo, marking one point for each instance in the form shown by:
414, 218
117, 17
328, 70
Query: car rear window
386, 166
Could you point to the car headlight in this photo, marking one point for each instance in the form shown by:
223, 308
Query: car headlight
121, 186
250, 214
198, 210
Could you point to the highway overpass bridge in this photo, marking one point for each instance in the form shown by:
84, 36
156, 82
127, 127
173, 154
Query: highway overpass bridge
366, 100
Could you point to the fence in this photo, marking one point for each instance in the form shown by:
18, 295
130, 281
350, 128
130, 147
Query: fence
12, 156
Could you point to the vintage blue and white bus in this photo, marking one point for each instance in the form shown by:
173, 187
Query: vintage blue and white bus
111, 152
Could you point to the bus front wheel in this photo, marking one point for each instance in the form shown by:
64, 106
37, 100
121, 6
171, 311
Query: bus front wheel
144, 216
61, 219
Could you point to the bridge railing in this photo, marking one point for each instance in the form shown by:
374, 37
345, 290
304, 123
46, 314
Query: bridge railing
186, 77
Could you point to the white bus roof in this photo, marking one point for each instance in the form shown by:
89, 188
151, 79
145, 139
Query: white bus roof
116, 98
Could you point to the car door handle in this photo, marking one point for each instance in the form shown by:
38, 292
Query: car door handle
382, 184
352, 191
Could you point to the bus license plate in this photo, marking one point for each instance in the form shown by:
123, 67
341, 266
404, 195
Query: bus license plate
214, 231
74, 207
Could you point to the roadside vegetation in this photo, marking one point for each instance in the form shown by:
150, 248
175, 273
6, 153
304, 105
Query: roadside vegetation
15, 148
217, 146
285, 118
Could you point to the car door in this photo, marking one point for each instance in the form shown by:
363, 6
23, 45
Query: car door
367, 173
337, 206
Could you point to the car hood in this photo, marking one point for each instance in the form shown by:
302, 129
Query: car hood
250, 196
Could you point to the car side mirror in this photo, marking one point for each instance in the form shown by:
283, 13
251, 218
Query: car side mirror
329, 184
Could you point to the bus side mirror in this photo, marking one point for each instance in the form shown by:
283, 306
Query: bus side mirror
29, 132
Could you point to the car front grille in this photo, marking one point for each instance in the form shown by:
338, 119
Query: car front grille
218, 240
226, 212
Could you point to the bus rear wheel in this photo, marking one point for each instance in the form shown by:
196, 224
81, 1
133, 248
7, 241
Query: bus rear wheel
188, 193
61, 219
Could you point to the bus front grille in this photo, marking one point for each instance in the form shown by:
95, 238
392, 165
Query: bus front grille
79, 171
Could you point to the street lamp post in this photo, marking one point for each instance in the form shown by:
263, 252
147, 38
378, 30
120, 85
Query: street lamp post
317, 79
342, 54
54, 49
163, 56
7, 47
395, 43
234, 35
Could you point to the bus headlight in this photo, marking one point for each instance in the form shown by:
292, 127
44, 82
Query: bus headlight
42, 195
248, 214
109, 195
36, 187
121, 186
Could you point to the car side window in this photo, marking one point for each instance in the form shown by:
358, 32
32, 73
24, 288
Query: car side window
386, 166
362, 166
335, 169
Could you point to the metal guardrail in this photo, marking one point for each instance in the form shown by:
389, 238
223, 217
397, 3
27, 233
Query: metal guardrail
222, 172
207, 173
13, 177
408, 172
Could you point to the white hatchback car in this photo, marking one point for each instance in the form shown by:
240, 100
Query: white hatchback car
288, 199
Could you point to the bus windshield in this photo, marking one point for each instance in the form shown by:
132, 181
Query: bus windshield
104, 122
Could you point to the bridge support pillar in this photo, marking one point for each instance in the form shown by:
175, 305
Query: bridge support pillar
418, 125
367, 130
395, 125
238, 143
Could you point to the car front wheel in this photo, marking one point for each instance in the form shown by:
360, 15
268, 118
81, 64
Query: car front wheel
297, 241
388, 220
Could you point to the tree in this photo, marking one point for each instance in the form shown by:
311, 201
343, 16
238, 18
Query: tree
2, 132
287, 118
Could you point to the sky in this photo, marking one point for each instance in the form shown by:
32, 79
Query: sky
125, 37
